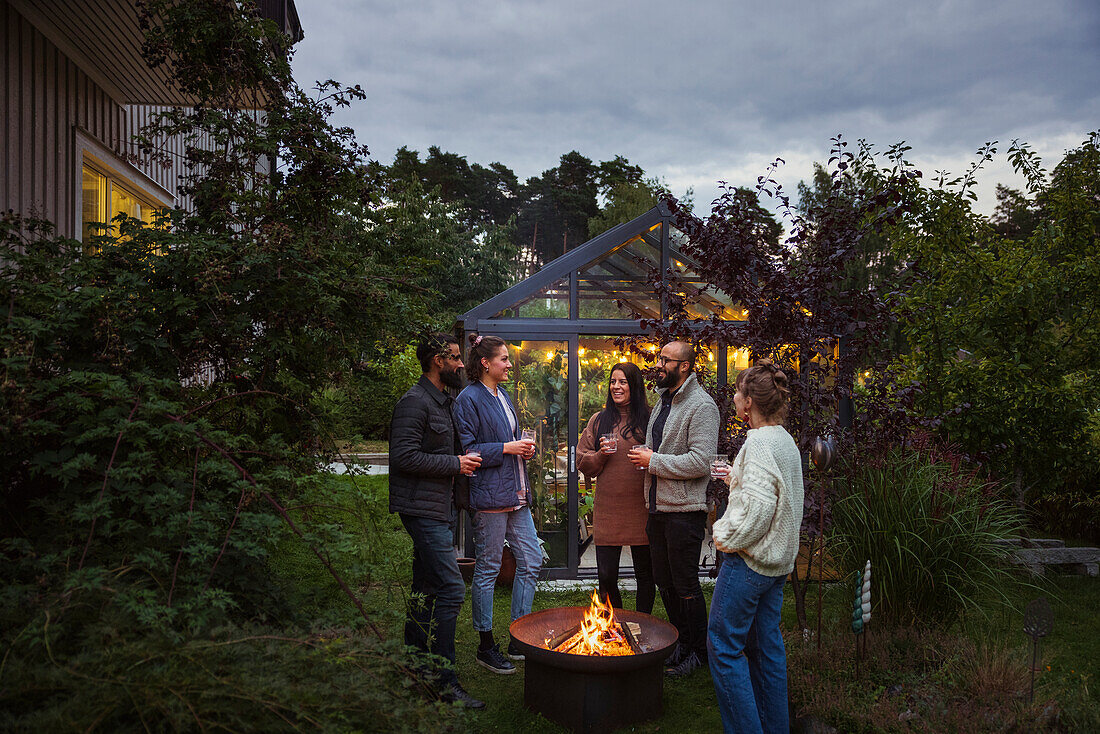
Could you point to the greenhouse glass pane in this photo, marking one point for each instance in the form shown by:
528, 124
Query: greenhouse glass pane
616, 284
549, 303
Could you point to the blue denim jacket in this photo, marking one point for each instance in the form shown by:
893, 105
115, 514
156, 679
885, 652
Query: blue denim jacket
482, 425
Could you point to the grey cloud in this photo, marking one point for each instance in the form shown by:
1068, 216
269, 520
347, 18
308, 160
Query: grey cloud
705, 85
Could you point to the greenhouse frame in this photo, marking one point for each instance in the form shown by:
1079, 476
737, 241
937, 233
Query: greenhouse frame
560, 325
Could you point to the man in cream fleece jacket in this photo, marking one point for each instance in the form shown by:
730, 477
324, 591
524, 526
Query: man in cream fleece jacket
683, 436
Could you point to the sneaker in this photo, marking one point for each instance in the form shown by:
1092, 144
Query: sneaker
677, 655
495, 661
686, 666
454, 693
514, 652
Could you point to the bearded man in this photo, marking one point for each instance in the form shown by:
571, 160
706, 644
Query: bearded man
682, 439
424, 464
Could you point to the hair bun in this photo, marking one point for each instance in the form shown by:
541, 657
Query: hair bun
474, 339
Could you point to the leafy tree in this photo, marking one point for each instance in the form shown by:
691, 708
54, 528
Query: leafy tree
797, 302
1002, 318
161, 427
458, 265
626, 200
556, 208
484, 196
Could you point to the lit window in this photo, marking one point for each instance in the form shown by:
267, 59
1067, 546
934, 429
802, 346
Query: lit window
94, 204
105, 197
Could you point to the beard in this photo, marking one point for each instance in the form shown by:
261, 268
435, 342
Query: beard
667, 379
452, 378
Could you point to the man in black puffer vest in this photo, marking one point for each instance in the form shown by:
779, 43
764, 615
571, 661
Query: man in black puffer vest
423, 467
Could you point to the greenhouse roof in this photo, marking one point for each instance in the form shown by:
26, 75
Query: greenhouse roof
599, 286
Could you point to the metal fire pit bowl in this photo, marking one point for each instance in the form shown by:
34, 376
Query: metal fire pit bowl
588, 693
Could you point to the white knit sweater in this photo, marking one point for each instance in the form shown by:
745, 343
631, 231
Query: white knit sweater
764, 514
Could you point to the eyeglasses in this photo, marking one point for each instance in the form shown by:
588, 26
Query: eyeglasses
665, 360
449, 355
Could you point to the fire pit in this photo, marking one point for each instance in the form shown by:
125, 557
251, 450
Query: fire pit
621, 685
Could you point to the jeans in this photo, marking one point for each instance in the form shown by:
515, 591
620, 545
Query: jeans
438, 589
607, 572
491, 529
675, 543
748, 661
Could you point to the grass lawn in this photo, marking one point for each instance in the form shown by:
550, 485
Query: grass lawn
967, 678
689, 705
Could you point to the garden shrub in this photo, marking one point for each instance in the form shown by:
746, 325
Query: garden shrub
158, 432
930, 527
916, 680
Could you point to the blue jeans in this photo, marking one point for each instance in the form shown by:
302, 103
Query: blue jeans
491, 529
748, 661
437, 587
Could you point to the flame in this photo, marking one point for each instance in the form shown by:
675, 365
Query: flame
599, 634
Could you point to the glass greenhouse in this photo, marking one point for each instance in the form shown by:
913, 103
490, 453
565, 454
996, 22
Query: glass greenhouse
561, 324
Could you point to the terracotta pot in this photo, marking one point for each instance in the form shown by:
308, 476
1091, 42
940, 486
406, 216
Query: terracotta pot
466, 568
507, 569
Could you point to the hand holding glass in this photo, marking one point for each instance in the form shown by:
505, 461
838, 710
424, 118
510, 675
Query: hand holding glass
473, 452
608, 443
719, 467
528, 434
633, 452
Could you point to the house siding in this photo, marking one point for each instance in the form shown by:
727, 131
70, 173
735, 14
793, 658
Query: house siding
46, 97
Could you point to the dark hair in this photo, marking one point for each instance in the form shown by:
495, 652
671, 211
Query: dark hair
638, 420
766, 384
430, 346
481, 347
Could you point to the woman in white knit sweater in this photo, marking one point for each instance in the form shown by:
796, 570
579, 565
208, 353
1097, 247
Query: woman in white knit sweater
758, 535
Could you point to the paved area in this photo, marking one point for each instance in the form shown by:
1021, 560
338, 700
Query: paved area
590, 584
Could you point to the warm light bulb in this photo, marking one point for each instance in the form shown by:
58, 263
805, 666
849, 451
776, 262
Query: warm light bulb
580, 351
549, 356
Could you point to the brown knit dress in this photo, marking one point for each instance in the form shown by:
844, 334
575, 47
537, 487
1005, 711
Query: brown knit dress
618, 515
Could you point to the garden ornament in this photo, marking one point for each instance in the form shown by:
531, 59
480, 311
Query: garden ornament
861, 612
1038, 623
823, 453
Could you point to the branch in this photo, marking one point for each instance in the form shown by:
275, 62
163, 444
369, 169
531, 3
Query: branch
287, 519
103, 489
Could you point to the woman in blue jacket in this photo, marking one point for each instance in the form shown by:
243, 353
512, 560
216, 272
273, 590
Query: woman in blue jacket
499, 493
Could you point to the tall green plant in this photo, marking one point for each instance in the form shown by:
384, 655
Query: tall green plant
156, 427
932, 530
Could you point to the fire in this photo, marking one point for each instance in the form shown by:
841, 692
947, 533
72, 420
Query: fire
599, 633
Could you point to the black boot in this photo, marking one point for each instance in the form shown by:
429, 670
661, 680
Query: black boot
675, 616
693, 610
695, 620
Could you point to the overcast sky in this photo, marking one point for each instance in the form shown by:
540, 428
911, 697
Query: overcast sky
697, 92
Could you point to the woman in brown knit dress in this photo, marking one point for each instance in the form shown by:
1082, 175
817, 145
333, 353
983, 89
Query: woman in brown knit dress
619, 514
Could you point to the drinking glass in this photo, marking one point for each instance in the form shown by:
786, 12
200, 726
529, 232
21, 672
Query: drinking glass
527, 434
719, 466
473, 452
640, 446
612, 442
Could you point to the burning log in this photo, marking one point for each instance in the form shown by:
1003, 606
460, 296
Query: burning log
598, 634
599, 692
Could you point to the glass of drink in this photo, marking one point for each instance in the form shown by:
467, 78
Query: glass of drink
719, 466
637, 448
473, 452
612, 442
528, 434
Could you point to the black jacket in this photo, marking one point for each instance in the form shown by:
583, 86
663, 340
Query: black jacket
423, 453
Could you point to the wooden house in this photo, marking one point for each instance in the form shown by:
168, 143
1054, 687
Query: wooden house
74, 88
